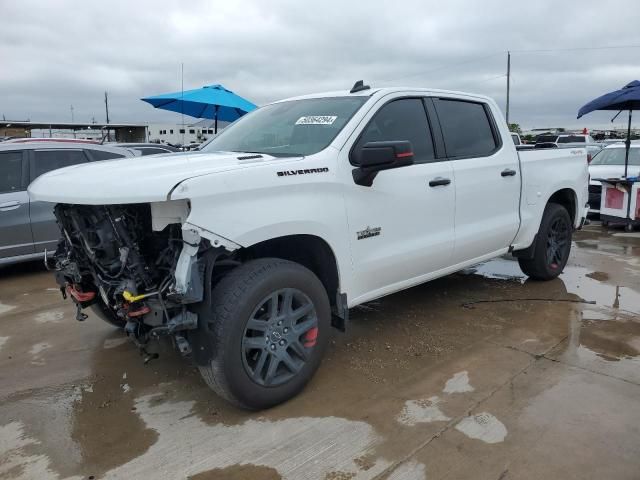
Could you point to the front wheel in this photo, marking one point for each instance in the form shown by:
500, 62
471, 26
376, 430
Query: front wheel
553, 244
268, 327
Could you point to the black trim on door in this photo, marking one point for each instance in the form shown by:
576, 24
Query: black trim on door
25, 169
436, 131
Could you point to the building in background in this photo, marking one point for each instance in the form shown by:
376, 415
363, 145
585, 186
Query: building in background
114, 132
178, 134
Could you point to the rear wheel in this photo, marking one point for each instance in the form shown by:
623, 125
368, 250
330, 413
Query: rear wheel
553, 245
268, 327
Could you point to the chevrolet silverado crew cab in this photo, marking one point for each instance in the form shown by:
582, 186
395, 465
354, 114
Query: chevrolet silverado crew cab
247, 253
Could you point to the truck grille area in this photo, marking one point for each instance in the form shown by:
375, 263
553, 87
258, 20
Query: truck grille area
111, 250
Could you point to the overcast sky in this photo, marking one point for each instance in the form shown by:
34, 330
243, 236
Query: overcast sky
54, 54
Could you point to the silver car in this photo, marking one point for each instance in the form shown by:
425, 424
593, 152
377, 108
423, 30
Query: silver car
28, 228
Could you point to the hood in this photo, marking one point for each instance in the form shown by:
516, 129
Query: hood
611, 171
133, 180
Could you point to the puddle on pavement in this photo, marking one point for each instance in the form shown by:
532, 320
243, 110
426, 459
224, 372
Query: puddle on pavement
611, 347
605, 333
575, 280
238, 472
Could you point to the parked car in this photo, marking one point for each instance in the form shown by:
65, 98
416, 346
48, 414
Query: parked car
28, 227
609, 163
52, 140
575, 138
591, 148
517, 141
148, 148
549, 140
247, 252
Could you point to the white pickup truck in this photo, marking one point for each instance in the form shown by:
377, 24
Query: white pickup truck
247, 253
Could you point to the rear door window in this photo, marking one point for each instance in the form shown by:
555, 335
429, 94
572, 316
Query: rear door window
403, 119
151, 150
467, 128
11, 172
97, 155
44, 161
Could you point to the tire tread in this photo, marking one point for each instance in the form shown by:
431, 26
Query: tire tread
231, 290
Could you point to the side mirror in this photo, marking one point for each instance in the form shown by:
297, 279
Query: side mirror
373, 157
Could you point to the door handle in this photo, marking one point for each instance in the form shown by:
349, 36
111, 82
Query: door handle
508, 172
439, 181
6, 206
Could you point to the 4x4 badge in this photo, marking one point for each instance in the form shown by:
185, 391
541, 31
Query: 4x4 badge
369, 232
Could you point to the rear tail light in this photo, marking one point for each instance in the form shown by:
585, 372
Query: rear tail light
589, 158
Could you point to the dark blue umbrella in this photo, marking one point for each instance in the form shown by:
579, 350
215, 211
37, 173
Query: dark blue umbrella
627, 98
211, 101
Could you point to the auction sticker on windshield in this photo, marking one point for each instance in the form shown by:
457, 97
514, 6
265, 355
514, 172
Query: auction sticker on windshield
317, 120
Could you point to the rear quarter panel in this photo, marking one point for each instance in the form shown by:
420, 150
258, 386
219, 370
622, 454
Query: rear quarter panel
545, 172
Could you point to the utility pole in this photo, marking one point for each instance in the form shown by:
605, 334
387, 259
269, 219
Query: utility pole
508, 83
106, 108
182, 98
73, 128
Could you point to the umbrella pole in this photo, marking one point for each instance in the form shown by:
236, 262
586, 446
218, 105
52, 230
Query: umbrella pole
215, 127
627, 146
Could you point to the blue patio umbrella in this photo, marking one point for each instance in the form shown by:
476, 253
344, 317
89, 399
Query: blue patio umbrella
627, 98
211, 101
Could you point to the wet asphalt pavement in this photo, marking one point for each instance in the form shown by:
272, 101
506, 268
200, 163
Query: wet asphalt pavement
482, 374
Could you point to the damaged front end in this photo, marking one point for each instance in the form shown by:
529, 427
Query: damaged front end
136, 267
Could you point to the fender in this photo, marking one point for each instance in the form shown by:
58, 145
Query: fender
223, 206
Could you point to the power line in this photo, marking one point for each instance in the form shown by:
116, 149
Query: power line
502, 52
573, 49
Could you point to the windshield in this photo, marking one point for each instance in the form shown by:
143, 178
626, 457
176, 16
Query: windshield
547, 139
615, 156
295, 128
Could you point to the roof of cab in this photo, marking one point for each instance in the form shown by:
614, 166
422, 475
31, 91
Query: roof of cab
63, 146
378, 92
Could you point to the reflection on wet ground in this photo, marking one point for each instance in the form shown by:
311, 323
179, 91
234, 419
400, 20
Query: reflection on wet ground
470, 376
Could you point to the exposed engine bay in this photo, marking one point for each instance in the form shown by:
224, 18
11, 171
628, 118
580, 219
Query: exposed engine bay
139, 278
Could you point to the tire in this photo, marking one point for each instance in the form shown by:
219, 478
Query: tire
245, 339
553, 245
105, 313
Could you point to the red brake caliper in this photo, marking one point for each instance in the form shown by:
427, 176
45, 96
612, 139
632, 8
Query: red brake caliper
309, 339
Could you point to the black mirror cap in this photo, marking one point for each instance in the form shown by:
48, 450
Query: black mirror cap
379, 155
376, 156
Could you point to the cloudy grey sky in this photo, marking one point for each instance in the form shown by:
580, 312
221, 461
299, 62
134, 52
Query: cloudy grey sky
54, 54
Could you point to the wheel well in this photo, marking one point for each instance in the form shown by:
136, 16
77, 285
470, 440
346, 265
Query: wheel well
567, 198
308, 250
